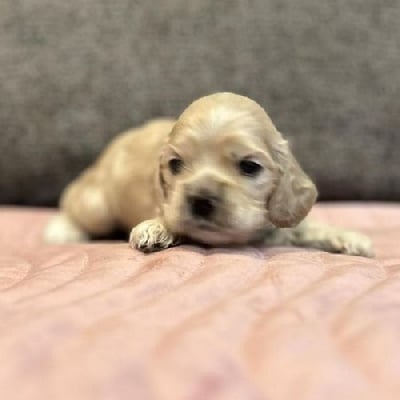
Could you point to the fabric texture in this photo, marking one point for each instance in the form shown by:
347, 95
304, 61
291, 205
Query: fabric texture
101, 321
75, 73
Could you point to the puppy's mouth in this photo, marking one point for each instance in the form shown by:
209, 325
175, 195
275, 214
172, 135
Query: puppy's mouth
204, 226
210, 233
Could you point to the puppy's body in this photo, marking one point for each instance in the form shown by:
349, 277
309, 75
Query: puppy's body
128, 171
221, 174
118, 191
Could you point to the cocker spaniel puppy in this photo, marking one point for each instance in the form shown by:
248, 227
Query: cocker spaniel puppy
220, 175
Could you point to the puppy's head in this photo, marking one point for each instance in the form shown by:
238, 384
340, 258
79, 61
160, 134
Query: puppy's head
226, 174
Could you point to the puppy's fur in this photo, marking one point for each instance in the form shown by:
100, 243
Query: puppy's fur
221, 174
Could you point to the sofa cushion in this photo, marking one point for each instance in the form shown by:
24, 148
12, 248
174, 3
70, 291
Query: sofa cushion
75, 73
101, 321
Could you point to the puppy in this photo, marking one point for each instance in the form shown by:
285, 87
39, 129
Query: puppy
220, 175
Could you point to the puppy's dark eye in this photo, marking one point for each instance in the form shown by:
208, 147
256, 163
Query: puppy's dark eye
249, 168
175, 165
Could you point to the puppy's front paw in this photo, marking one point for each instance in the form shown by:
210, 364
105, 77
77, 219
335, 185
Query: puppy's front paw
151, 236
352, 243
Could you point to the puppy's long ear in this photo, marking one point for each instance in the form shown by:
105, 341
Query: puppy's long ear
294, 194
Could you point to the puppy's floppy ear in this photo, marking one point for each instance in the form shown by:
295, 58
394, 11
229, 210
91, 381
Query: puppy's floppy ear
294, 194
162, 183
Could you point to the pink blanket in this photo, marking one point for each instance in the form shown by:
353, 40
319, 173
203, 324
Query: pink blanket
101, 321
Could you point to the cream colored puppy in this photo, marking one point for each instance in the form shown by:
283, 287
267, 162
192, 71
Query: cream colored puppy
221, 175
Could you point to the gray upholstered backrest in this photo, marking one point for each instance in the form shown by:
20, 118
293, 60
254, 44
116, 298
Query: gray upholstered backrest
75, 73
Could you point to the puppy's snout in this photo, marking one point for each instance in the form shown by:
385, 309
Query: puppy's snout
202, 206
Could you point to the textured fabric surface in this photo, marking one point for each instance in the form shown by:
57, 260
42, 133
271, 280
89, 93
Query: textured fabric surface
75, 73
101, 321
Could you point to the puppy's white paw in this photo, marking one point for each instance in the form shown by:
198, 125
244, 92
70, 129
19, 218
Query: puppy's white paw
151, 235
62, 230
352, 243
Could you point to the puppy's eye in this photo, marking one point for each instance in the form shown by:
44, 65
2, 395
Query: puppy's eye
249, 168
175, 165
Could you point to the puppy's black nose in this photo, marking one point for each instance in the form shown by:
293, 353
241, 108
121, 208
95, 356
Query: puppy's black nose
202, 207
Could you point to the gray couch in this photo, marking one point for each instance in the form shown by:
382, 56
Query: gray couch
73, 74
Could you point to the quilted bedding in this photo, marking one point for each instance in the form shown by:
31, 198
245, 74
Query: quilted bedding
101, 321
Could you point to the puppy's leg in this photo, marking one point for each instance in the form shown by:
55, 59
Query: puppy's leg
61, 229
323, 237
151, 235
84, 210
